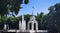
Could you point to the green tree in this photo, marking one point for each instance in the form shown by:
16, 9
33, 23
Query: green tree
13, 6
13, 22
39, 18
53, 18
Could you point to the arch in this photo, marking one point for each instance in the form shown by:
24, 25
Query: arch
32, 25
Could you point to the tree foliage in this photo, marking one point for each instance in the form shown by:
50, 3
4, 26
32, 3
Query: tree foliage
13, 6
53, 18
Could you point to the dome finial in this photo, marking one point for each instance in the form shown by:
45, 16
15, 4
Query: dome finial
32, 9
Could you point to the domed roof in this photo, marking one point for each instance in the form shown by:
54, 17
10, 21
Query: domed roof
32, 18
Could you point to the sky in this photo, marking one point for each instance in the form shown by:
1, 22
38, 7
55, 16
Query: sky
39, 6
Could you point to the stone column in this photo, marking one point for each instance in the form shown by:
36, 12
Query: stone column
32, 26
20, 25
36, 26
28, 25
